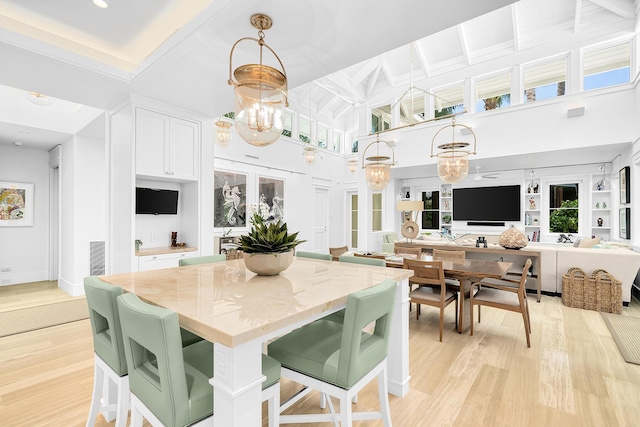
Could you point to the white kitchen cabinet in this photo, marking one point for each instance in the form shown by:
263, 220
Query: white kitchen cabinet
156, 262
166, 147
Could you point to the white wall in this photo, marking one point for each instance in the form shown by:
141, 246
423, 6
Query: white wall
83, 208
26, 249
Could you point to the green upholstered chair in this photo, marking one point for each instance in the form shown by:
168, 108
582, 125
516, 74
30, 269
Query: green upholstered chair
201, 260
109, 359
340, 359
314, 255
110, 362
170, 383
362, 260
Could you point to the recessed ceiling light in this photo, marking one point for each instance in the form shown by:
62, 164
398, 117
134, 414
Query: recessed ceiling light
17, 143
101, 4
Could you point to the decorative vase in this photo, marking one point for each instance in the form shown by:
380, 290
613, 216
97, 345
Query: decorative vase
268, 264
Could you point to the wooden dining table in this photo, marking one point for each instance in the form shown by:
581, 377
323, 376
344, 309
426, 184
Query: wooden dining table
239, 312
466, 272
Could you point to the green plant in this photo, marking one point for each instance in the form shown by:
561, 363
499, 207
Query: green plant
265, 237
446, 218
564, 219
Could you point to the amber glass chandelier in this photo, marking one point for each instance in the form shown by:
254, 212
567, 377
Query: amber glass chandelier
261, 92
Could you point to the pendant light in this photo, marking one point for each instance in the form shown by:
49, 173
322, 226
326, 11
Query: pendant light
378, 167
309, 153
223, 132
352, 164
261, 92
453, 157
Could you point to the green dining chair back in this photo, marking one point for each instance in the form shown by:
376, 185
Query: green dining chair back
201, 260
362, 260
110, 365
171, 382
340, 359
314, 255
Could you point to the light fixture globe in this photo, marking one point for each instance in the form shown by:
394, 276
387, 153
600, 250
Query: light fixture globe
223, 133
309, 153
352, 164
378, 167
261, 93
453, 157
453, 166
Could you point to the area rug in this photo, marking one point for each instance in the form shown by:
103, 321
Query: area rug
625, 331
43, 316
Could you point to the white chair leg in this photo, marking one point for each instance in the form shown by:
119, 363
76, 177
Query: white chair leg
354, 399
383, 393
136, 416
323, 401
346, 416
124, 399
273, 404
327, 398
98, 378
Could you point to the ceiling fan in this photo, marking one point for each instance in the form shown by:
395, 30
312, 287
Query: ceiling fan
479, 177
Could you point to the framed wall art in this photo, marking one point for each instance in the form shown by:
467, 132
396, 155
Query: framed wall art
16, 204
625, 185
625, 223
271, 198
229, 199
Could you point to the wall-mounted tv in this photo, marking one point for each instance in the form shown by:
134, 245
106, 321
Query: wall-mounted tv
156, 201
500, 203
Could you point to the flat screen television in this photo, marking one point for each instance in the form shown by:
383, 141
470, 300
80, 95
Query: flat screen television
500, 203
156, 201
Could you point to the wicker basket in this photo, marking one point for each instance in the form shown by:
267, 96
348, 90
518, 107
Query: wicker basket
600, 291
608, 292
573, 284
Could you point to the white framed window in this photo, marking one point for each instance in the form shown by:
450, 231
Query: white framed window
606, 65
376, 211
337, 141
380, 118
544, 80
323, 136
412, 110
352, 140
564, 208
494, 91
448, 100
353, 214
287, 128
305, 128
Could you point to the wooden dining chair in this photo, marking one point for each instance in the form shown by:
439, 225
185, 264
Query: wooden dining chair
374, 256
505, 294
446, 255
314, 255
432, 289
336, 252
399, 250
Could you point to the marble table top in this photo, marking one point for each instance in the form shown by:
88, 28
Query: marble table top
224, 302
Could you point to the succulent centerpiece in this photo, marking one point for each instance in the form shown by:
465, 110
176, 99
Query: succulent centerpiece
268, 247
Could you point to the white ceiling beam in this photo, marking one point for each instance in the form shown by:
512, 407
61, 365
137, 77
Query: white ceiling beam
374, 78
337, 94
515, 26
342, 112
465, 45
422, 58
578, 17
623, 8
325, 102
364, 72
386, 71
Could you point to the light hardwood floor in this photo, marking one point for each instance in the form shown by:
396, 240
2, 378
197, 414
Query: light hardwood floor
573, 374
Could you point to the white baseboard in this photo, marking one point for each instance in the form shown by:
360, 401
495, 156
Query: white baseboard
10, 278
73, 289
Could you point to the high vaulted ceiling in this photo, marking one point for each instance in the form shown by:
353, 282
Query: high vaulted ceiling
354, 52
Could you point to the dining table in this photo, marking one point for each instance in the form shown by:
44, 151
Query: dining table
239, 312
466, 272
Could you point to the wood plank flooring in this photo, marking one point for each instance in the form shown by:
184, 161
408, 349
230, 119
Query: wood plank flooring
573, 374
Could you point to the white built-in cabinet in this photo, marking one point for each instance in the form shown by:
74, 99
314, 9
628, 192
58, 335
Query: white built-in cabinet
532, 211
166, 147
601, 207
156, 262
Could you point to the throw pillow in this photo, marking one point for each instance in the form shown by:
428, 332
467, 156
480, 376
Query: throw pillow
589, 243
